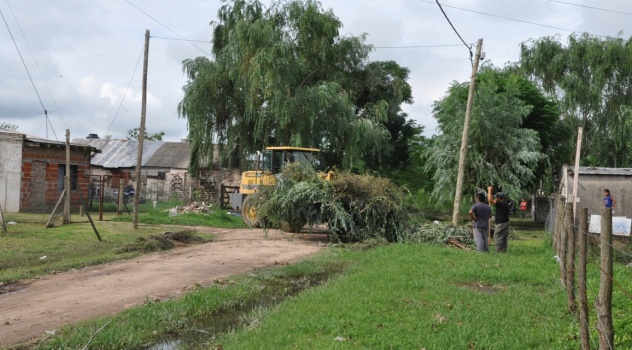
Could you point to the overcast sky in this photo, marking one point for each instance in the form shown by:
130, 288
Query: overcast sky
81, 55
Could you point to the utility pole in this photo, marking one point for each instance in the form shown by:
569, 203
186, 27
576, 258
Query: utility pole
141, 134
67, 180
466, 127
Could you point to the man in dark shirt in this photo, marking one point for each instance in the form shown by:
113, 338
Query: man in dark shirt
501, 232
480, 213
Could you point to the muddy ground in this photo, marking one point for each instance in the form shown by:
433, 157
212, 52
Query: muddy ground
39, 306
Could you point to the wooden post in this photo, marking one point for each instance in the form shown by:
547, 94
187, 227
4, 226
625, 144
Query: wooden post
466, 127
141, 133
570, 258
67, 180
582, 251
49, 223
121, 196
576, 175
603, 303
83, 204
4, 225
559, 220
568, 210
101, 194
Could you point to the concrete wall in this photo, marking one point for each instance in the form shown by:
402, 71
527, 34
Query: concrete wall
10, 172
590, 192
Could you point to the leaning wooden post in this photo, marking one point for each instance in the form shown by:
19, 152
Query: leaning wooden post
569, 255
49, 223
603, 303
582, 242
141, 132
4, 225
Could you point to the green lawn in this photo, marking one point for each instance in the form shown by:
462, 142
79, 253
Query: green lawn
397, 296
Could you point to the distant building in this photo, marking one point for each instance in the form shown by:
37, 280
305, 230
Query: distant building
164, 169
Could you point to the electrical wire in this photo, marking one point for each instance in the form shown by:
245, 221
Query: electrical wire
37, 65
126, 90
591, 7
171, 30
514, 19
469, 48
24, 63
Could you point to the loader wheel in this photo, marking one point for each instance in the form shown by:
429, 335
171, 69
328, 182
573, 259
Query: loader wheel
293, 226
249, 214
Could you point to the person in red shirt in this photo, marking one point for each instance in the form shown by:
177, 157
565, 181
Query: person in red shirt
523, 207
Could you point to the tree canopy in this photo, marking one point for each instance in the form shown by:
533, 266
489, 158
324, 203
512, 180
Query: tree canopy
285, 76
592, 78
512, 140
134, 134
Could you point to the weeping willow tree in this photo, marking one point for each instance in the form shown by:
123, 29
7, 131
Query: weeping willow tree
592, 78
505, 150
285, 76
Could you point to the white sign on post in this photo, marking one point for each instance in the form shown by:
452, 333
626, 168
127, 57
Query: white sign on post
621, 226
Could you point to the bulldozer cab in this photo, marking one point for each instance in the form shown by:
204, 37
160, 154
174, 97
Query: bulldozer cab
274, 159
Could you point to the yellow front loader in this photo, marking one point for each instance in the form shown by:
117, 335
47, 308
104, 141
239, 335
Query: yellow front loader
267, 165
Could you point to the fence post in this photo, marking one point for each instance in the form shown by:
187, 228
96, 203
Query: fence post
569, 256
603, 303
120, 197
559, 219
582, 241
561, 243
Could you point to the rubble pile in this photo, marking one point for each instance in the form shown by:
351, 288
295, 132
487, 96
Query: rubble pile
194, 207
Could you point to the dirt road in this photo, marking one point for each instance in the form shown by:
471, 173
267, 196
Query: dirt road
49, 302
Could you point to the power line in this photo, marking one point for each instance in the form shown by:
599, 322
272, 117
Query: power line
515, 20
171, 30
451, 25
126, 90
37, 65
591, 7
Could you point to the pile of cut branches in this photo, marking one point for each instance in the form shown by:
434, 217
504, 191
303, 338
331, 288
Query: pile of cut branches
443, 233
354, 207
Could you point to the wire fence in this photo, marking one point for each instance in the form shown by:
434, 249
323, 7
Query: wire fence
577, 248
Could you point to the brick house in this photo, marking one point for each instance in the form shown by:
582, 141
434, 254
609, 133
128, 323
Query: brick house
32, 171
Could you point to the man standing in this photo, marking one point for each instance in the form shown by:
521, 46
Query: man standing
609, 200
501, 232
480, 213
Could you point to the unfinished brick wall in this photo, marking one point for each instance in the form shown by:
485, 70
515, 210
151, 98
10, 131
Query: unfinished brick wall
40, 171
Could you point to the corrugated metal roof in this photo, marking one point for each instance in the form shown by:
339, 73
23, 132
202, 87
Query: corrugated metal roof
585, 170
41, 140
123, 153
170, 155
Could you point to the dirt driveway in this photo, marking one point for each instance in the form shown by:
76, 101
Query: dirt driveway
49, 302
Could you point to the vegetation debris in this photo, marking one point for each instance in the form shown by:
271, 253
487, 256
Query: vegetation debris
166, 241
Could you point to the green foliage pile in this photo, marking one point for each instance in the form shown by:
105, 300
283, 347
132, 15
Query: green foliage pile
440, 232
355, 207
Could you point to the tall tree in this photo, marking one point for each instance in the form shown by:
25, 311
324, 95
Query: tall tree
509, 118
591, 77
285, 76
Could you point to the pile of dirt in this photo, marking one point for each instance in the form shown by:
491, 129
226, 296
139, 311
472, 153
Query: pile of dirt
166, 241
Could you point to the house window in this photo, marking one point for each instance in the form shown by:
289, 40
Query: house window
61, 172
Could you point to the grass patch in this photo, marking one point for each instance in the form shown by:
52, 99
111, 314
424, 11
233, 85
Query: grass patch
30, 250
160, 216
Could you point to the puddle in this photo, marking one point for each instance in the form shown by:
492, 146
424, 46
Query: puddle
273, 292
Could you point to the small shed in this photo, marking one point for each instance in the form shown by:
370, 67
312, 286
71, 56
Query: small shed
592, 182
